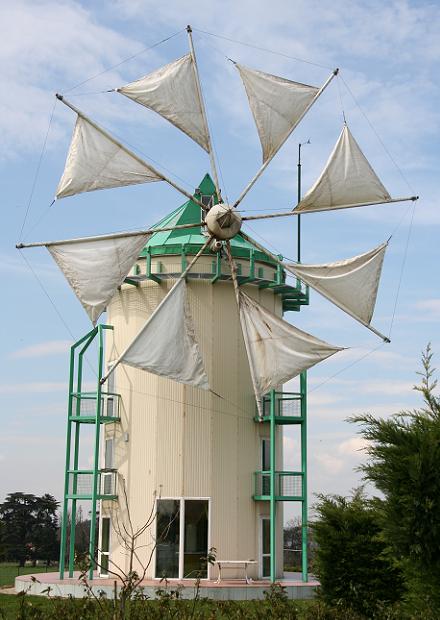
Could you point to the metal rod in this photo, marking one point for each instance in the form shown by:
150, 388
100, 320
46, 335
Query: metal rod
127, 150
267, 216
299, 198
183, 275
273, 505
298, 211
291, 268
96, 476
202, 106
63, 541
304, 503
136, 233
267, 162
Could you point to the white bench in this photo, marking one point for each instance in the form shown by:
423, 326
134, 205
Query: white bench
234, 564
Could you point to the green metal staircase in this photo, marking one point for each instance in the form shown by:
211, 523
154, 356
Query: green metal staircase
95, 408
272, 485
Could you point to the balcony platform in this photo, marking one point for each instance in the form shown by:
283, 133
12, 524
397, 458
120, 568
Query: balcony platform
232, 589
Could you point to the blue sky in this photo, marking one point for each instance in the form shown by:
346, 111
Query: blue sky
388, 53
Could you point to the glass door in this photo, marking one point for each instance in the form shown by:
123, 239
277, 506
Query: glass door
168, 538
196, 538
182, 538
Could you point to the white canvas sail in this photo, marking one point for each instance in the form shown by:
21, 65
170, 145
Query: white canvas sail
347, 180
277, 105
97, 161
166, 345
277, 351
172, 92
351, 284
95, 268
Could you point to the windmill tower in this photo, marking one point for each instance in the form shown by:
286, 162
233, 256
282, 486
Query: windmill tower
202, 461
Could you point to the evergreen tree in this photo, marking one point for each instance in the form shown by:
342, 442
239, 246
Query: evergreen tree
404, 464
350, 562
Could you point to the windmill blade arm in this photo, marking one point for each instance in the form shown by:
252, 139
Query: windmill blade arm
159, 174
136, 233
267, 162
299, 211
202, 106
266, 216
182, 276
279, 262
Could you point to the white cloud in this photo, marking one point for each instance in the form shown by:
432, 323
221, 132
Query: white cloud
51, 46
352, 446
430, 307
43, 349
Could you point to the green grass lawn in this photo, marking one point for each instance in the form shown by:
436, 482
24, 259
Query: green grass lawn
10, 605
9, 571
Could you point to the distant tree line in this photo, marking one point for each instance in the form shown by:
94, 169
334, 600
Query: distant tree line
30, 529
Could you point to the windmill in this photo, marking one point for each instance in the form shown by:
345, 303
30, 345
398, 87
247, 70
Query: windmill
169, 342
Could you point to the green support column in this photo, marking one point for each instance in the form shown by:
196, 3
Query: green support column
304, 511
76, 456
273, 505
96, 453
63, 540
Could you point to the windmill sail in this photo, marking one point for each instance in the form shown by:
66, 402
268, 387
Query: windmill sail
351, 284
277, 105
97, 161
347, 180
166, 345
277, 351
172, 92
95, 268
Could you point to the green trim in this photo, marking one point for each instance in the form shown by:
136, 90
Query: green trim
273, 505
218, 268
304, 511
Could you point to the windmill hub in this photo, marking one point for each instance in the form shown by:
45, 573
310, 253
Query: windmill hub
223, 222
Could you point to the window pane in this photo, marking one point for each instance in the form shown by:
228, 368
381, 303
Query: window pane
196, 538
265, 454
266, 535
105, 535
108, 457
104, 564
266, 566
167, 535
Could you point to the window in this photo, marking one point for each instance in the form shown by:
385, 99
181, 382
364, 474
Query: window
104, 554
109, 401
108, 454
265, 466
182, 538
265, 547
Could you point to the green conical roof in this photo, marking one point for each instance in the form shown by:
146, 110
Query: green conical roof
190, 240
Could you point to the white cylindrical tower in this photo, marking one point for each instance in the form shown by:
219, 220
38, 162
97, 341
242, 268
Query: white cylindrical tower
186, 458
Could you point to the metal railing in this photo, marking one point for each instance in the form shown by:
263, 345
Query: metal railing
287, 404
84, 404
81, 483
287, 484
